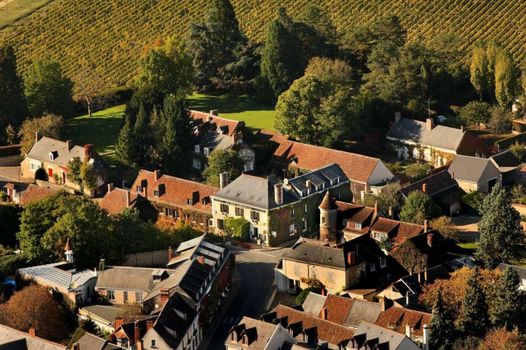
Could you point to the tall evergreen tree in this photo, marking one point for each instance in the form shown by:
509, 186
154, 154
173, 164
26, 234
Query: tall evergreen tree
501, 234
125, 142
442, 331
12, 103
478, 70
176, 135
282, 60
143, 137
509, 307
474, 314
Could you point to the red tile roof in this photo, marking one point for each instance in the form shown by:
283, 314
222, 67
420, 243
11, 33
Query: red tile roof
223, 123
327, 331
115, 201
337, 308
356, 167
396, 318
177, 191
35, 193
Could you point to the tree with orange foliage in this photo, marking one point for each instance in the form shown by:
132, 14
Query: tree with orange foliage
34, 306
501, 339
454, 289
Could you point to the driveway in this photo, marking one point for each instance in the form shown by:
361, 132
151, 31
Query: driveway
467, 227
252, 292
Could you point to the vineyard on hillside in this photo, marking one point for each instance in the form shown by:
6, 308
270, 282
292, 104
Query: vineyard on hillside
112, 33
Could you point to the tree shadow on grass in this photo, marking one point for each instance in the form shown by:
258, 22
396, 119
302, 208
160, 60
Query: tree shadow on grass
226, 103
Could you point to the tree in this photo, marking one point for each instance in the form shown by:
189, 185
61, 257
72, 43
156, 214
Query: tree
320, 20
502, 339
478, 69
475, 113
445, 227
125, 147
410, 257
143, 137
418, 170
238, 228
509, 306
47, 90
418, 207
282, 60
474, 319
167, 69
216, 43
48, 125
506, 79
10, 218
82, 173
34, 306
222, 161
12, 104
442, 327
501, 233
176, 135
88, 87
46, 225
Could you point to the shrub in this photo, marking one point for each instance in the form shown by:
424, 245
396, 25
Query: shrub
518, 150
238, 228
417, 170
473, 201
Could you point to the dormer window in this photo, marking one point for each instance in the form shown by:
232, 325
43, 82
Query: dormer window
197, 148
383, 263
372, 267
358, 225
206, 151
53, 155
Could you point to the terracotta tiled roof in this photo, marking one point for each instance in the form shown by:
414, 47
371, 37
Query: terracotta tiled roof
337, 308
35, 193
396, 319
328, 331
115, 201
384, 225
223, 123
355, 166
175, 191
399, 231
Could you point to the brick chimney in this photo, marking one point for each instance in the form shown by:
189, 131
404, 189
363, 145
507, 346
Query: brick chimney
117, 322
324, 313
170, 253
137, 332
214, 112
426, 225
223, 180
69, 144
351, 258
165, 295
201, 259
424, 187
278, 194
408, 331
37, 136
149, 325
429, 124
32, 331
430, 240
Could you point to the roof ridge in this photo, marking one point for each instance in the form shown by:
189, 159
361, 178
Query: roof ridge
177, 178
32, 337
307, 315
216, 116
331, 149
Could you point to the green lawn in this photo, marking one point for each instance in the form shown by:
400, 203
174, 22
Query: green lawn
17, 9
101, 130
469, 245
244, 107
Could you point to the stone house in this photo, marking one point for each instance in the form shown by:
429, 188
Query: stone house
215, 133
48, 160
178, 201
278, 212
254, 334
423, 141
365, 174
474, 174
13, 339
508, 165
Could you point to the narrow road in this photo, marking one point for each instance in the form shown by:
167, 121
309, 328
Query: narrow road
255, 279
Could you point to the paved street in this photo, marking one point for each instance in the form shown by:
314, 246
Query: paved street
251, 291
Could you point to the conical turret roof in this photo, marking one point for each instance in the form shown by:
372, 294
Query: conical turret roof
327, 203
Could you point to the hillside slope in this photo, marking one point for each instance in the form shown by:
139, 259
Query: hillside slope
113, 33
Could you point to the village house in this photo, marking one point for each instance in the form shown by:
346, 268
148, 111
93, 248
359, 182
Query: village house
216, 133
278, 212
254, 334
48, 160
116, 200
425, 141
93, 342
370, 336
365, 174
474, 174
63, 277
178, 201
508, 166
12, 339
129, 330
102, 315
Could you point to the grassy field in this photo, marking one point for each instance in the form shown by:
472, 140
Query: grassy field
244, 107
13, 10
101, 130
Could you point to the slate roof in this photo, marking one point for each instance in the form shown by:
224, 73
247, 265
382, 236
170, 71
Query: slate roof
103, 312
60, 275
321, 179
92, 342
35, 193
505, 161
396, 318
313, 304
12, 339
356, 167
435, 184
175, 191
362, 310
197, 247
472, 169
128, 278
116, 200
259, 332
42, 148
381, 337
415, 131
328, 331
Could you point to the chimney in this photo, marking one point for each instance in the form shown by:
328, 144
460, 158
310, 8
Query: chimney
137, 332
102, 264
278, 194
157, 175
426, 337
223, 180
419, 279
128, 198
425, 275
430, 240
76, 346
149, 325
324, 313
117, 322
408, 331
376, 208
88, 151
214, 112
426, 225
351, 258
69, 144
32, 331
110, 187
429, 124
201, 259
461, 129
390, 213
406, 298
323, 291
37, 136
165, 295
139, 345
424, 187
398, 116
382, 304
170, 253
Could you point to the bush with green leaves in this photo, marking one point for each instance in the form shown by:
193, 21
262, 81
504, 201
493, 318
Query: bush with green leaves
418, 207
418, 171
473, 201
518, 150
238, 228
